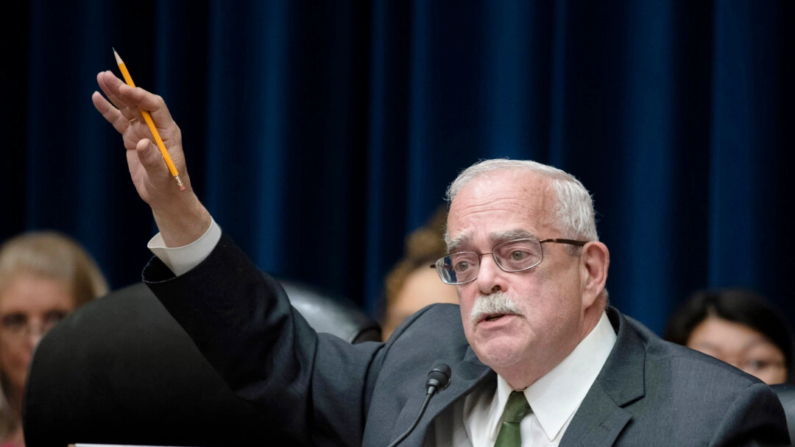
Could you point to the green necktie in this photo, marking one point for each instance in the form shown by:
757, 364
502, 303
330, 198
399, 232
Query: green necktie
516, 408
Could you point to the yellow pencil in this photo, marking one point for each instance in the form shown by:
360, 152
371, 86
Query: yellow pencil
151, 124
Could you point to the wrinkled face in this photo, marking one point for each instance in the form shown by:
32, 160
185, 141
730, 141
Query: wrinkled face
741, 347
548, 321
29, 306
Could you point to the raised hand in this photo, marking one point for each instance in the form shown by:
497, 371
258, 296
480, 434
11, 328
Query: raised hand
180, 216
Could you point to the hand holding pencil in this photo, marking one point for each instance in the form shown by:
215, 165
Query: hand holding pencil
180, 216
148, 118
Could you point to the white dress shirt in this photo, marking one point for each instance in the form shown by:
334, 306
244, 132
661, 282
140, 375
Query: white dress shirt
475, 420
181, 259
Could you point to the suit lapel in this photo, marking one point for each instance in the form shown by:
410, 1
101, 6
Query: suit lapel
467, 373
599, 425
601, 416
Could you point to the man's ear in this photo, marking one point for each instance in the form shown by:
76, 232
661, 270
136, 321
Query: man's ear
595, 260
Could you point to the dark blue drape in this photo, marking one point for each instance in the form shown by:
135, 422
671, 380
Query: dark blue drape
320, 133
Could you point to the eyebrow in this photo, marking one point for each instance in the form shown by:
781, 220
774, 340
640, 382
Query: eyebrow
454, 245
496, 237
756, 342
501, 236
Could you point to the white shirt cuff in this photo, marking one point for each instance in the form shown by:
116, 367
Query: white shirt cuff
180, 260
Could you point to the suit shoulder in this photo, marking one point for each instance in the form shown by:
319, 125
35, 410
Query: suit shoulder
434, 327
693, 398
432, 318
684, 364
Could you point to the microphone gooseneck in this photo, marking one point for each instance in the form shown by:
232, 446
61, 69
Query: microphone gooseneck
438, 379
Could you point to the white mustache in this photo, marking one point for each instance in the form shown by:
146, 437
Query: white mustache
496, 303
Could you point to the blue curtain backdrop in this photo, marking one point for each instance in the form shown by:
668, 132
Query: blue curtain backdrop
320, 133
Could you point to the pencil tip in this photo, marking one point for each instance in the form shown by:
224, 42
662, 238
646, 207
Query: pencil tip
114, 50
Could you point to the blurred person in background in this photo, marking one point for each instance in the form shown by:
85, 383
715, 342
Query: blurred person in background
411, 285
43, 277
739, 327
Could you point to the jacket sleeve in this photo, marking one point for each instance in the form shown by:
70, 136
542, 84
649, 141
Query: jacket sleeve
313, 385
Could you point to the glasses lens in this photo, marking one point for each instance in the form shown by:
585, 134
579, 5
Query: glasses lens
445, 271
522, 254
17, 327
458, 268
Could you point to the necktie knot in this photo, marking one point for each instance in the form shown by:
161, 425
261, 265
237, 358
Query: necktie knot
515, 410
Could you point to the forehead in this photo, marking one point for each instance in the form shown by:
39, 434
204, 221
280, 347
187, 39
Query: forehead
501, 205
30, 293
727, 333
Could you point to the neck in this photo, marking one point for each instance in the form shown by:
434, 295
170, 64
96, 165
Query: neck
523, 375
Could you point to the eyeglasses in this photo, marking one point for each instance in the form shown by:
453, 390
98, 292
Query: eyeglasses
16, 327
511, 256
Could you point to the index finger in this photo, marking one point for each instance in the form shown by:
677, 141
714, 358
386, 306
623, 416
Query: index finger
135, 98
144, 100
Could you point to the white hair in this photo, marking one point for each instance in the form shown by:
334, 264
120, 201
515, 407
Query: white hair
574, 211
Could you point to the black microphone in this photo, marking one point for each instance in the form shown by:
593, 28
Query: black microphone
438, 379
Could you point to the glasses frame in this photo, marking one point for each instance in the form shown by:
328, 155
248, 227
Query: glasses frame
439, 265
24, 331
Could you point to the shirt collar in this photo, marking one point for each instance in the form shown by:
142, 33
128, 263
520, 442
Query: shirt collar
555, 397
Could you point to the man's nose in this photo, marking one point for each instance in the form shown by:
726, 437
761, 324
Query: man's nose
490, 276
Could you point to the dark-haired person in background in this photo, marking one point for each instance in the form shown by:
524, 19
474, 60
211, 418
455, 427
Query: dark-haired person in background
739, 327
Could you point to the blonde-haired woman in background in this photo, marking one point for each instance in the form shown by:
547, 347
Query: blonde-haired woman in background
411, 285
43, 277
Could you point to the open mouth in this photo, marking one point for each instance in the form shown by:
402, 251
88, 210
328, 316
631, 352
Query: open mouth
494, 317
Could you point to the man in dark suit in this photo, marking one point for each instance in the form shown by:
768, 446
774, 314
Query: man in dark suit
537, 357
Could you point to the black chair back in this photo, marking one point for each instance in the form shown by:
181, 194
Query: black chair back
786, 394
332, 314
120, 370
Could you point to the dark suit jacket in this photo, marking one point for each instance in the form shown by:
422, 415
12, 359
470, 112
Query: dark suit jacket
325, 391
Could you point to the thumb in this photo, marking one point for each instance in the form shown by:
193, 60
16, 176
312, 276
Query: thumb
151, 159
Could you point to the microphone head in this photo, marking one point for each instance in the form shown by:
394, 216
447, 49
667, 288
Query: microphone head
439, 377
